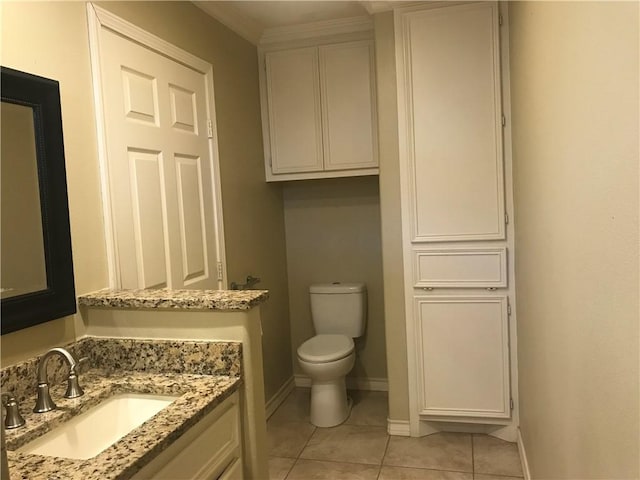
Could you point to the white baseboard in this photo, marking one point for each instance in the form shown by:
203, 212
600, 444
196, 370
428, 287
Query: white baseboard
398, 427
353, 383
279, 397
523, 457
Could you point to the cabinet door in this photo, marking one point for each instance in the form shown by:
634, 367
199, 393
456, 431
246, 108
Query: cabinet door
293, 96
454, 135
348, 106
463, 352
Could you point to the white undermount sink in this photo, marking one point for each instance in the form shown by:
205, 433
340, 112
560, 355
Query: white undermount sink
91, 432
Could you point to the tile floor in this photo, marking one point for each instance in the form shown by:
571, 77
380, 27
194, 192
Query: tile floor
360, 449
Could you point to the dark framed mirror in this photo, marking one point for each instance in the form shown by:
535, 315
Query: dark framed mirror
36, 279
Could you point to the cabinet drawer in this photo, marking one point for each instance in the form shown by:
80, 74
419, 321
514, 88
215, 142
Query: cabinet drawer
460, 267
204, 451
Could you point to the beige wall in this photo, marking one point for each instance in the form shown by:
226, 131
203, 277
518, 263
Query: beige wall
392, 261
333, 234
51, 39
574, 80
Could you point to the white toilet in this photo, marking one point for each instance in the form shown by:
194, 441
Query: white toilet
339, 315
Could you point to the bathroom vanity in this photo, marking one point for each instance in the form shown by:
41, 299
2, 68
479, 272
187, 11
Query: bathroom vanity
201, 381
213, 427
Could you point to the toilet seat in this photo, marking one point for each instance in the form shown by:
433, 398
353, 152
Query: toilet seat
326, 348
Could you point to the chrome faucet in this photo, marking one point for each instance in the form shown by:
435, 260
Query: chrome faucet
44, 403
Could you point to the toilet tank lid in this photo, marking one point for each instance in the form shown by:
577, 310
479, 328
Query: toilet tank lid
337, 287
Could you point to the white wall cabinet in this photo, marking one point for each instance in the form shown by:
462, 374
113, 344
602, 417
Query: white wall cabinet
319, 112
207, 451
455, 166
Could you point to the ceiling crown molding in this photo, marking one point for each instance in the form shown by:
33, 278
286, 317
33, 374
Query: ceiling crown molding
316, 29
226, 14
378, 6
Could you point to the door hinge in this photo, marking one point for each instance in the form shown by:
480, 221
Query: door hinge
500, 19
508, 306
511, 403
504, 121
506, 218
209, 128
219, 267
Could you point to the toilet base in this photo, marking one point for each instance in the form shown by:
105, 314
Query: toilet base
330, 405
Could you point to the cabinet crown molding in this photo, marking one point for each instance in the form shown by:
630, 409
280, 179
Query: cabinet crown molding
316, 29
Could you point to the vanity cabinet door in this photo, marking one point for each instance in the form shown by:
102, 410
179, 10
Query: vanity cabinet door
207, 451
293, 91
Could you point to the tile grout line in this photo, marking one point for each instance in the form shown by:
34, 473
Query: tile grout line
473, 460
384, 454
290, 468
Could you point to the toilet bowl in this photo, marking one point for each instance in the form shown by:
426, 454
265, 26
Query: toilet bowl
327, 359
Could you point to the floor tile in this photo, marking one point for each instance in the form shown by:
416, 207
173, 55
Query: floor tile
494, 456
295, 408
287, 439
440, 451
369, 408
482, 476
402, 473
316, 470
279, 467
347, 443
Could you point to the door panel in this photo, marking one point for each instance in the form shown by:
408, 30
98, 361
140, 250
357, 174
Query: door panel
140, 96
163, 209
183, 109
149, 218
191, 216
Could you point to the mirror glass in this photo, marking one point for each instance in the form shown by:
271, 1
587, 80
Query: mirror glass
23, 264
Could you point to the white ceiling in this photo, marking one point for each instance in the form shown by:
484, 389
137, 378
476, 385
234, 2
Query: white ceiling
251, 18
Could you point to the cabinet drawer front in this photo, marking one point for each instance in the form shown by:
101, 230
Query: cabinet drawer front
460, 268
463, 345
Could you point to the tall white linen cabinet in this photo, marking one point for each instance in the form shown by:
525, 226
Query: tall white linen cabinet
455, 154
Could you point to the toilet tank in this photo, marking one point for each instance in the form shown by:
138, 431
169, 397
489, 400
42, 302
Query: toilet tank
339, 308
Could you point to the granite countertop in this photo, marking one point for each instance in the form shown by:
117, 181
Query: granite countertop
199, 394
175, 299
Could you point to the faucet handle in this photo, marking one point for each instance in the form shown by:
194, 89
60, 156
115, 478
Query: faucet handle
74, 390
13, 418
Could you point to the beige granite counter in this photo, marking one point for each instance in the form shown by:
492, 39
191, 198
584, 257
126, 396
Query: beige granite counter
199, 394
175, 299
202, 374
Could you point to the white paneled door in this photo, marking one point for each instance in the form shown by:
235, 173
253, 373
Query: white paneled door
161, 175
